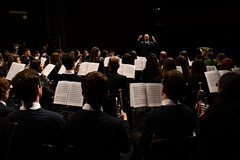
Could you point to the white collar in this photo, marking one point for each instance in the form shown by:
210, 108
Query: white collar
168, 102
3, 103
35, 106
87, 107
69, 72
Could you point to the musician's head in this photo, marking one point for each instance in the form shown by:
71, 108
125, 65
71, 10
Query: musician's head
146, 37
95, 88
174, 85
114, 63
27, 85
229, 85
68, 60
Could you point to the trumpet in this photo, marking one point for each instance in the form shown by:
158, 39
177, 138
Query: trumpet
201, 99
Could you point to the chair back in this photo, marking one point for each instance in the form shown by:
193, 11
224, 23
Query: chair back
30, 152
175, 148
73, 153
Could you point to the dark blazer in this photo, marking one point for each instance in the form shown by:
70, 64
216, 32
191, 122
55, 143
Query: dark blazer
117, 82
4, 110
25, 60
69, 77
166, 122
33, 127
145, 48
98, 135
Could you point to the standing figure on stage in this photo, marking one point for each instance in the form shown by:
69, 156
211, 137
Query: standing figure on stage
146, 46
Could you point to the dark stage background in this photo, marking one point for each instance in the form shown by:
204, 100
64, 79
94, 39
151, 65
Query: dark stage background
115, 25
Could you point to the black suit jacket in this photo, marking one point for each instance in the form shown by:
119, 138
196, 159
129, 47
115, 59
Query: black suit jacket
171, 121
117, 82
69, 77
4, 110
25, 60
33, 127
145, 48
98, 135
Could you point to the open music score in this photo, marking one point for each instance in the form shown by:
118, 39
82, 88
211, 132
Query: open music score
145, 94
68, 93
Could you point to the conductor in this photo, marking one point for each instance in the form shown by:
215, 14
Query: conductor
145, 46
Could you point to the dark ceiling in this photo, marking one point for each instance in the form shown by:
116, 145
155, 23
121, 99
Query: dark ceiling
115, 25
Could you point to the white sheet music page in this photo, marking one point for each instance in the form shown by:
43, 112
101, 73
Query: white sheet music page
14, 69
68, 93
75, 97
61, 93
87, 67
48, 69
154, 94
129, 71
138, 95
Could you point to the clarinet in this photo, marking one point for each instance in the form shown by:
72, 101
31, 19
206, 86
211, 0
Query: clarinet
119, 104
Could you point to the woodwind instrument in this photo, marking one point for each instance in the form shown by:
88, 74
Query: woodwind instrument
201, 99
119, 104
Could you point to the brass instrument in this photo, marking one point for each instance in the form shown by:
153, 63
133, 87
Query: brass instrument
201, 99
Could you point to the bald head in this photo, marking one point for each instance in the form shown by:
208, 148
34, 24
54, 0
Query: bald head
146, 37
113, 63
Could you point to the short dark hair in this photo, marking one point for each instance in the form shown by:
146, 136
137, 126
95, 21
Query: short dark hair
68, 60
174, 84
95, 87
35, 64
24, 84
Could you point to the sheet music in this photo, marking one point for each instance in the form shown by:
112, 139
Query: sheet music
120, 69
62, 69
211, 68
179, 68
106, 60
68, 93
127, 69
154, 94
61, 93
87, 67
48, 69
14, 69
140, 64
236, 70
145, 94
75, 97
138, 95
43, 60
92, 67
222, 72
213, 77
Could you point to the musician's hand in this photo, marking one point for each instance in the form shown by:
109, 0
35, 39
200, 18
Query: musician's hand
201, 108
123, 115
153, 38
140, 37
